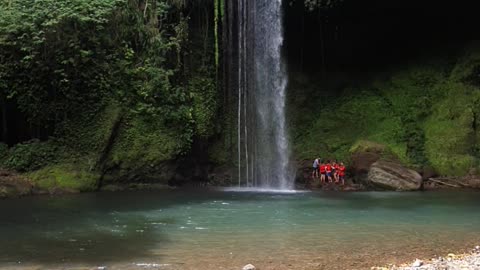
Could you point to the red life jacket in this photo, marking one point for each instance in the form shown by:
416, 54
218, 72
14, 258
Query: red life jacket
341, 170
336, 167
322, 168
329, 168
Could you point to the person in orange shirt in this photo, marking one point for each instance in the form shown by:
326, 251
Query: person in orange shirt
322, 172
341, 173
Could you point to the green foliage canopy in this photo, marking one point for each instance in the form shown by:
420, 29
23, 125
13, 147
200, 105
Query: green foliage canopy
62, 57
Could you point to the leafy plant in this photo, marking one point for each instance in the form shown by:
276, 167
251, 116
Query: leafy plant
31, 155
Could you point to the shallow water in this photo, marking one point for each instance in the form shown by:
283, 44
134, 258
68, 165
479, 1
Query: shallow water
227, 229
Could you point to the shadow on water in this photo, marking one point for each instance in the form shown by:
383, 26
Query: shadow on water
87, 228
95, 227
96, 247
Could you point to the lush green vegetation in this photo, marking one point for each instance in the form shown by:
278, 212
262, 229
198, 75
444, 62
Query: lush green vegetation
426, 114
104, 83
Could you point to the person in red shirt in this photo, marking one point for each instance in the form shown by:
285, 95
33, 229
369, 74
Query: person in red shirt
322, 172
328, 170
341, 173
335, 171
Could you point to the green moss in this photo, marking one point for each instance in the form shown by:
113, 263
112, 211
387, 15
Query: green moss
203, 91
145, 141
368, 146
363, 115
65, 176
450, 138
86, 137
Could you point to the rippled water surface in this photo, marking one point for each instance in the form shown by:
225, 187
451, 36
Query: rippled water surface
227, 229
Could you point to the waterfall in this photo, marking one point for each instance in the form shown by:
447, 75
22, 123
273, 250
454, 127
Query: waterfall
261, 81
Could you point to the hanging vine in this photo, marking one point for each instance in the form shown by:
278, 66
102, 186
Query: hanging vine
216, 15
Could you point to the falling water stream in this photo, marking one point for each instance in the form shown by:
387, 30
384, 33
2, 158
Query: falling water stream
263, 150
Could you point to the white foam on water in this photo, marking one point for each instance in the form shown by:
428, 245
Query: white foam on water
263, 190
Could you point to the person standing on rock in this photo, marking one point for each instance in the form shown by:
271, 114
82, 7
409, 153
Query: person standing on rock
322, 172
316, 163
335, 170
341, 173
328, 169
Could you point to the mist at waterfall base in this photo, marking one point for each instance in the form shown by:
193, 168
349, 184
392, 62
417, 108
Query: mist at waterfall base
263, 144
213, 230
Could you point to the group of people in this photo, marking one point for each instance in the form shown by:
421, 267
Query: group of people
329, 172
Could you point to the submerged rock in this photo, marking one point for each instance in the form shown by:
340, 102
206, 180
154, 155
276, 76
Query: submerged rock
392, 175
249, 267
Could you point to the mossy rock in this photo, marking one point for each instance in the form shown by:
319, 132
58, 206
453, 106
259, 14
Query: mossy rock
14, 190
14, 185
365, 153
145, 141
65, 178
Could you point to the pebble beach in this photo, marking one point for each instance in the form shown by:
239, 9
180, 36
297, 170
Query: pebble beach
468, 261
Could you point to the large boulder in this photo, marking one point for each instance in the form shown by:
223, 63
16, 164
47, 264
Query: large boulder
365, 153
393, 176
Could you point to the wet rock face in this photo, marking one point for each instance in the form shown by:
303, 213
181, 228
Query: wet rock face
361, 163
304, 171
393, 176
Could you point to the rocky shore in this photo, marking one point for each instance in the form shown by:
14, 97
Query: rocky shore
469, 261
